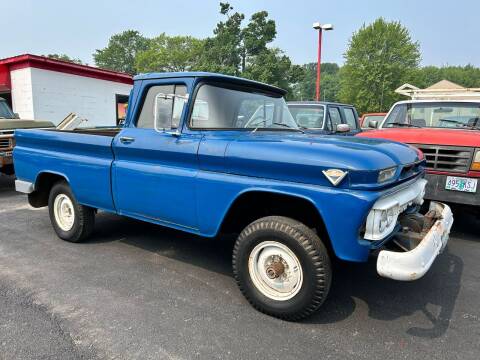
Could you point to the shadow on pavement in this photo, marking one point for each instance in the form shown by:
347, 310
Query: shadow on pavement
388, 299
7, 184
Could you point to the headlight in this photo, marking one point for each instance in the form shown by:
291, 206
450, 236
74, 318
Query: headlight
386, 174
476, 161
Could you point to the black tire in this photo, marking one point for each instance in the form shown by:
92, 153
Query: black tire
310, 252
84, 217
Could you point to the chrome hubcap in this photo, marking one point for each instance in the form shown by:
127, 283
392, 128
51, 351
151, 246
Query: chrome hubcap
275, 270
64, 212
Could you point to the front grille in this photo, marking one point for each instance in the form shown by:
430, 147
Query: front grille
411, 170
5, 143
447, 158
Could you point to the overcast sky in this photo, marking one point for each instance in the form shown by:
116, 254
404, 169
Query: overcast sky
448, 31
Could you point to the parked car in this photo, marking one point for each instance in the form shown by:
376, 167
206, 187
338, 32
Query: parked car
448, 133
9, 121
195, 155
325, 117
367, 117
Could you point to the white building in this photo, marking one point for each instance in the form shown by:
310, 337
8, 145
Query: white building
41, 88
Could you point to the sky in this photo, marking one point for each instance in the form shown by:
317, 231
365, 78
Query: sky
448, 31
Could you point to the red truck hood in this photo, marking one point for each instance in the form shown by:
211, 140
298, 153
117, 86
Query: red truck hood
452, 137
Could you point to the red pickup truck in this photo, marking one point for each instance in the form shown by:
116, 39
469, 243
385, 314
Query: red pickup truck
448, 133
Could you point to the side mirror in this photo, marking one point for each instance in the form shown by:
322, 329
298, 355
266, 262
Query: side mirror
163, 112
16, 116
342, 128
373, 124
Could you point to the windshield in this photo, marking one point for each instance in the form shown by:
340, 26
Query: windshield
310, 117
5, 112
435, 115
223, 108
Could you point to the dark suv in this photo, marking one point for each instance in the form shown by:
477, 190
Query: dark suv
325, 117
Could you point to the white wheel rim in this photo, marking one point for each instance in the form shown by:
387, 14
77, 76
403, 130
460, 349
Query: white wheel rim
64, 212
275, 270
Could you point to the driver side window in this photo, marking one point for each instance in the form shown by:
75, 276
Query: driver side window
146, 120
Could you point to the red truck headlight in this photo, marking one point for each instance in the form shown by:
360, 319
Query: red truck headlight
476, 161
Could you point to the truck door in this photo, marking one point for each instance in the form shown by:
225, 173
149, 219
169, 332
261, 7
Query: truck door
154, 172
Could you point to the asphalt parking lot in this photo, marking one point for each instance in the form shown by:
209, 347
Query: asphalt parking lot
141, 291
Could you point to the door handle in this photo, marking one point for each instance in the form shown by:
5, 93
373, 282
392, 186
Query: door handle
127, 140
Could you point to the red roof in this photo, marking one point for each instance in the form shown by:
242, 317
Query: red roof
45, 63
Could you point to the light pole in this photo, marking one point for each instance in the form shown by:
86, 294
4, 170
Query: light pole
320, 28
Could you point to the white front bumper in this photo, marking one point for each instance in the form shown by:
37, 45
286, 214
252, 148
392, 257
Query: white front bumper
413, 264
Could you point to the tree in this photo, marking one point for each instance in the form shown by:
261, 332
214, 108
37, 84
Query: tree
467, 76
305, 87
380, 57
234, 49
121, 52
222, 52
65, 57
270, 66
170, 53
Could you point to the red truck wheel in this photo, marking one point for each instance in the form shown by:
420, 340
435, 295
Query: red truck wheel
70, 220
282, 267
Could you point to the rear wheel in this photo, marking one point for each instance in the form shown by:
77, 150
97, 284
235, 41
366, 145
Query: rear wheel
282, 267
70, 220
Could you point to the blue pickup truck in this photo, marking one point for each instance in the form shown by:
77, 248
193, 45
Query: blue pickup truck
195, 154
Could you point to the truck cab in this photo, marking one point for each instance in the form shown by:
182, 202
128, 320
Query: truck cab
447, 131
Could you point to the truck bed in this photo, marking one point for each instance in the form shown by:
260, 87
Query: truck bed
85, 156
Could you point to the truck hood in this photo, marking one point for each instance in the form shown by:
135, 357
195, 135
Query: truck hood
303, 157
13, 124
451, 137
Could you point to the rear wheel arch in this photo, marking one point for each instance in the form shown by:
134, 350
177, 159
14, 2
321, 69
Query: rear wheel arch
43, 184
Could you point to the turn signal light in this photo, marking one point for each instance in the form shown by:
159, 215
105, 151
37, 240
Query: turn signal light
476, 161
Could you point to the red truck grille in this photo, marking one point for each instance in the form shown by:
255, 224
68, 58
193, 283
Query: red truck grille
447, 158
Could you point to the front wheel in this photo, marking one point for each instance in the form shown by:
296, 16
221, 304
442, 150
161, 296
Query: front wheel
282, 267
71, 221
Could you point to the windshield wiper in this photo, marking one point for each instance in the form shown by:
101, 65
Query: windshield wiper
475, 124
402, 124
288, 127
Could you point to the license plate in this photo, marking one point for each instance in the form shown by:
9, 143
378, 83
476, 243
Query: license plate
461, 184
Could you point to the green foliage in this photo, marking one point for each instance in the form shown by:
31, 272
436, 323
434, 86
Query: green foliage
467, 76
65, 57
234, 48
170, 53
121, 51
222, 52
380, 57
270, 66
304, 88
